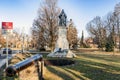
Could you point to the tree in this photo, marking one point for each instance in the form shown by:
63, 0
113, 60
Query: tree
110, 30
97, 29
110, 24
117, 15
82, 44
82, 40
2, 40
72, 35
110, 44
46, 24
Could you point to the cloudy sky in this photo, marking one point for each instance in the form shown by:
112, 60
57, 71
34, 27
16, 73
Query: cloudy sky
23, 12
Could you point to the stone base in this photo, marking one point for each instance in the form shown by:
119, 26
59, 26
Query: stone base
63, 53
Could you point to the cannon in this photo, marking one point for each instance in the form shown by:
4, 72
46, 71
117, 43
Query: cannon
12, 70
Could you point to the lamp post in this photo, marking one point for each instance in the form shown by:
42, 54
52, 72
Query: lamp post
6, 37
23, 43
7, 49
6, 30
27, 46
23, 37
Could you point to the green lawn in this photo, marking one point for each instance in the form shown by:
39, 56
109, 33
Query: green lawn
89, 67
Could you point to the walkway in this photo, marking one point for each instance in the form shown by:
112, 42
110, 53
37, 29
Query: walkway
3, 59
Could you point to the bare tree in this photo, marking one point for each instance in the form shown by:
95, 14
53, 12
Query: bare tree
46, 23
96, 28
72, 35
117, 15
110, 27
2, 40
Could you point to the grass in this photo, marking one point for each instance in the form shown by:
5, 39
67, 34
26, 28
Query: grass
89, 67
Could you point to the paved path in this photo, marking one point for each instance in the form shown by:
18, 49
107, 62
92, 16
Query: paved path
3, 59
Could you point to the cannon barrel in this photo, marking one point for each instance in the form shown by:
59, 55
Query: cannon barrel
12, 70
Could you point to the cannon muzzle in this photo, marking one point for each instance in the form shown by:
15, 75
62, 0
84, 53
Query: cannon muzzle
12, 70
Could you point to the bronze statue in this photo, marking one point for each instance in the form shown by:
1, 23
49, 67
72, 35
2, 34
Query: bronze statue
62, 18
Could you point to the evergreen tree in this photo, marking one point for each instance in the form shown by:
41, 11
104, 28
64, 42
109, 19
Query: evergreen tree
82, 40
110, 44
82, 43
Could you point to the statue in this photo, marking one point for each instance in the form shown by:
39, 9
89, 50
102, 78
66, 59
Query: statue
62, 44
62, 18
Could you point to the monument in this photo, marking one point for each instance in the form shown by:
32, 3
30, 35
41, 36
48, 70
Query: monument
62, 45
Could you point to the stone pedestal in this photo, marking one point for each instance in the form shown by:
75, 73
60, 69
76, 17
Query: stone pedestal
62, 41
62, 45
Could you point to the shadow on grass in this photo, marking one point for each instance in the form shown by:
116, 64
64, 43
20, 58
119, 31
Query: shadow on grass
96, 71
114, 58
91, 69
77, 75
60, 74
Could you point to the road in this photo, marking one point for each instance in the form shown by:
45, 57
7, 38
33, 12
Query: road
3, 57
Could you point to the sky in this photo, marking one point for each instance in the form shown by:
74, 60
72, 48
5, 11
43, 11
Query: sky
23, 12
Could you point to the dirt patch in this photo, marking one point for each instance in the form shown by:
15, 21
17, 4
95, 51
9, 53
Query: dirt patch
19, 57
29, 73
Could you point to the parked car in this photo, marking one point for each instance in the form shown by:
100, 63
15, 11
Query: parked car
4, 51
